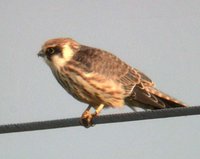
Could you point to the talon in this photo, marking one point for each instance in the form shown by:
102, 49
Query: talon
86, 119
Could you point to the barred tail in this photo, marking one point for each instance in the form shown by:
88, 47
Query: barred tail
151, 98
168, 100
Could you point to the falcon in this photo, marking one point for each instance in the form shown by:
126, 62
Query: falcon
100, 79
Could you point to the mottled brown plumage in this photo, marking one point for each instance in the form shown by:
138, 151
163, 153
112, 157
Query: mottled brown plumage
101, 79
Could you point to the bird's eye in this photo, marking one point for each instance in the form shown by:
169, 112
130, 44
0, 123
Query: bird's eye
50, 51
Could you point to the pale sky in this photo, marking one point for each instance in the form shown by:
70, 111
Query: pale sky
160, 38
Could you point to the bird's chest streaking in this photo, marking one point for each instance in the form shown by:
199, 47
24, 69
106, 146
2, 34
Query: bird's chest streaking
89, 87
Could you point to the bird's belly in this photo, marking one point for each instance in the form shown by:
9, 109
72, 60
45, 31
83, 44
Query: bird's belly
93, 90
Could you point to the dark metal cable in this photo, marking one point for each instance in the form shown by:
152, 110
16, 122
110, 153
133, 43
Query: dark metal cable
112, 118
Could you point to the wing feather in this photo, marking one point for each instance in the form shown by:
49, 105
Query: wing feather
111, 67
101, 62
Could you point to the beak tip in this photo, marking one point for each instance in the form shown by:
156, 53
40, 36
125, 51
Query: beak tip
40, 54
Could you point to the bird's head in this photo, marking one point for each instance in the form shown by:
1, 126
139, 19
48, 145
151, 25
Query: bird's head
57, 52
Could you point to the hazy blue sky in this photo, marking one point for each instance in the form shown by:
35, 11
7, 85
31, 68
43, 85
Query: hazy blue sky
159, 37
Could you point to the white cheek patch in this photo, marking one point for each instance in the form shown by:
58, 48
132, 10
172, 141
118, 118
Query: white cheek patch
59, 61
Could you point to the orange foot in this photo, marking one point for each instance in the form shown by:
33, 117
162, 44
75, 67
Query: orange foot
86, 119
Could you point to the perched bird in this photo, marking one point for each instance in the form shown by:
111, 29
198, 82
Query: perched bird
101, 79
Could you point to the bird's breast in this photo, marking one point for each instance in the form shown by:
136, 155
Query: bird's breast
91, 88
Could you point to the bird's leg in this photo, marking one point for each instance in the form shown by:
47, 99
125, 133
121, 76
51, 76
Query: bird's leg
98, 110
86, 118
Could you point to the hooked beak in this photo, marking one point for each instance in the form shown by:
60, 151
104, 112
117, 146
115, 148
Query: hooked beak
41, 54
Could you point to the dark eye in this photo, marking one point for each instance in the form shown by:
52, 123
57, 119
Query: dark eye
50, 51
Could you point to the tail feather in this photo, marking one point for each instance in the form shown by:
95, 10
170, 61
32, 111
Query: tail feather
170, 101
151, 98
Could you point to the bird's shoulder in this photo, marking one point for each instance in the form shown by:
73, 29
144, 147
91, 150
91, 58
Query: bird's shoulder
106, 64
100, 61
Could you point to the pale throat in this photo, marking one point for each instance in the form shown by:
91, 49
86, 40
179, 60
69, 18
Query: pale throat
59, 61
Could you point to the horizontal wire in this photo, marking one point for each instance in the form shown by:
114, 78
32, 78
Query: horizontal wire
103, 119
